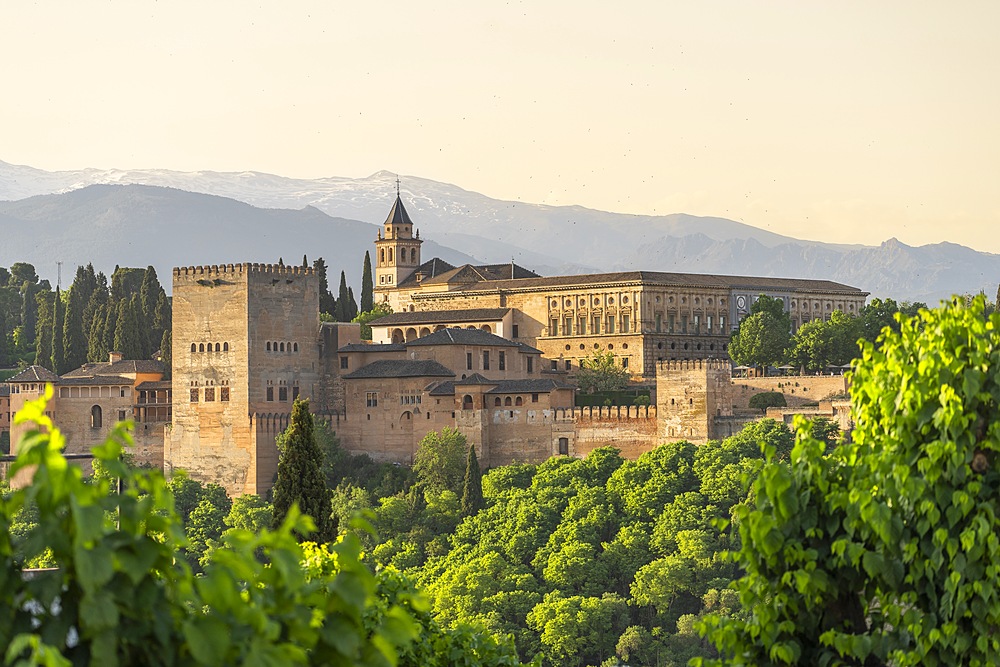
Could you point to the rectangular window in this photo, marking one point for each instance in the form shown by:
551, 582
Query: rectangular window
513, 330
684, 323
224, 393
670, 323
209, 394
486, 360
581, 326
555, 365
371, 399
697, 324
563, 446
568, 326
468, 361
708, 323
611, 324
624, 362
283, 394
569, 365
554, 327
534, 398
121, 415
659, 322
194, 395
295, 392
503, 360
270, 393
343, 363
722, 324
626, 323
597, 325
531, 364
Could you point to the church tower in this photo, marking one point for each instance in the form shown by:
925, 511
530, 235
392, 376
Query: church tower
397, 248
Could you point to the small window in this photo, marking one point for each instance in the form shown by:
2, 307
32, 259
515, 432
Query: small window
569, 365
468, 361
503, 361
507, 402
121, 415
295, 392
194, 395
270, 393
96, 417
624, 362
486, 360
371, 399
467, 402
518, 401
343, 363
534, 398
225, 347
224, 394
531, 364
268, 346
283, 394
295, 347
564, 446
513, 331
201, 347
194, 348
209, 394
555, 365
496, 401
218, 347
281, 347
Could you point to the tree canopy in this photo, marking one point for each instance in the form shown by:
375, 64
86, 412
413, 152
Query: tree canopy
300, 473
763, 335
599, 372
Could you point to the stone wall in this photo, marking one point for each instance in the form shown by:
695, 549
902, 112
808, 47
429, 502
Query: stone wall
797, 389
632, 429
690, 395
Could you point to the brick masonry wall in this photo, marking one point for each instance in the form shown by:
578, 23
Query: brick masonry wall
798, 390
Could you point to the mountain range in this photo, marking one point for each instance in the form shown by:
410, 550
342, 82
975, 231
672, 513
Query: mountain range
168, 218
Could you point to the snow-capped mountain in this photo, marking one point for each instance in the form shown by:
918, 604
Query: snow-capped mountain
548, 239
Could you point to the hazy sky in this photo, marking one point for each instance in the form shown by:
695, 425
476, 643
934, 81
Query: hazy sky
837, 121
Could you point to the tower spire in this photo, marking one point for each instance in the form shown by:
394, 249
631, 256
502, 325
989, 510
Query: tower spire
397, 186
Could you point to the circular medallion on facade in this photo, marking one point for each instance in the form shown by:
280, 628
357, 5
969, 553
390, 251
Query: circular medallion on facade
741, 302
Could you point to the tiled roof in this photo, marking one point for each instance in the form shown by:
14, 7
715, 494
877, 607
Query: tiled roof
463, 337
95, 379
475, 378
35, 374
372, 347
439, 316
471, 273
150, 386
429, 269
124, 367
661, 278
398, 214
400, 368
526, 386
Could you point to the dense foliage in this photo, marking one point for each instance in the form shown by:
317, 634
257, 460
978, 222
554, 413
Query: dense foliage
300, 473
599, 373
884, 550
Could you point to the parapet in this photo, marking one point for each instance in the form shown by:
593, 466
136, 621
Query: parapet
239, 271
684, 365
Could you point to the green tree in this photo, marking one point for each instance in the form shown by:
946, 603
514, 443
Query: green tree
599, 372
166, 352
378, 310
300, 474
440, 460
149, 292
129, 332
343, 301
472, 488
58, 351
327, 304
351, 311
29, 310
22, 272
74, 339
43, 329
767, 399
763, 335
367, 285
876, 552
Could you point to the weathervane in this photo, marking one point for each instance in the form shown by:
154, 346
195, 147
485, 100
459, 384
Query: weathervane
397, 185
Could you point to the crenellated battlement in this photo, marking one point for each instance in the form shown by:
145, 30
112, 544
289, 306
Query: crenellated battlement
682, 365
239, 271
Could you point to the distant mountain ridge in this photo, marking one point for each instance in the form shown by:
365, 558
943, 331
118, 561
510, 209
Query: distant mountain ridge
549, 239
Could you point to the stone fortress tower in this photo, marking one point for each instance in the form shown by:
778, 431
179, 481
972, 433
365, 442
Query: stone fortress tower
245, 345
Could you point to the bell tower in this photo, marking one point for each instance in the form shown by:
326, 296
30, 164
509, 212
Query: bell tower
397, 248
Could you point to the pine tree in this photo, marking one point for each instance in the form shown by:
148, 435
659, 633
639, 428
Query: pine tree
327, 304
58, 351
343, 301
43, 330
367, 285
74, 339
472, 491
300, 475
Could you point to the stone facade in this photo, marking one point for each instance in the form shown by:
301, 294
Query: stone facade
245, 344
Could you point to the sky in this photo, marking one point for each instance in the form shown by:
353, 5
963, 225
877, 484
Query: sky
848, 122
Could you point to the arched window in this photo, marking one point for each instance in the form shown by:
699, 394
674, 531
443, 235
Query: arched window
381, 256
201, 347
268, 346
466, 402
413, 255
496, 401
487, 328
390, 255
225, 347
295, 347
194, 348
218, 348
507, 402
518, 401
281, 347
397, 336
96, 417
407, 415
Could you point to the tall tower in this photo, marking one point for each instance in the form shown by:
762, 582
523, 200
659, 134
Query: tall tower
245, 344
397, 248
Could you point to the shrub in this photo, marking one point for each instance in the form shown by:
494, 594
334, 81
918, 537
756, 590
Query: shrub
767, 399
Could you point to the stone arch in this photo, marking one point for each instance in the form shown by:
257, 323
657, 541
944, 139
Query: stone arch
496, 402
268, 346
413, 255
471, 326
411, 334
518, 401
424, 331
397, 336
439, 327
295, 347
467, 402
507, 401
486, 328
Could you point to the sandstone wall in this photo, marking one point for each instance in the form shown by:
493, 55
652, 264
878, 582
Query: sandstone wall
798, 390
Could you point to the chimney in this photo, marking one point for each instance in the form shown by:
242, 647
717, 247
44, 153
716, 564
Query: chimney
114, 357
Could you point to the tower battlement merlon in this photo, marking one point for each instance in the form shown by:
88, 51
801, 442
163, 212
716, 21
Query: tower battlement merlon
238, 271
281, 269
682, 365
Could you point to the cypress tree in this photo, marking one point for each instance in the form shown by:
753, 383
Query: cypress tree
343, 301
327, 304
128, 330
305, 262
352, 305
472, 491
367, 285
166, 353
300, 475
43, 335
97, 349
58, 351
29, 310
148, 294
161, 317
111, 326
95, 309
74, 339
